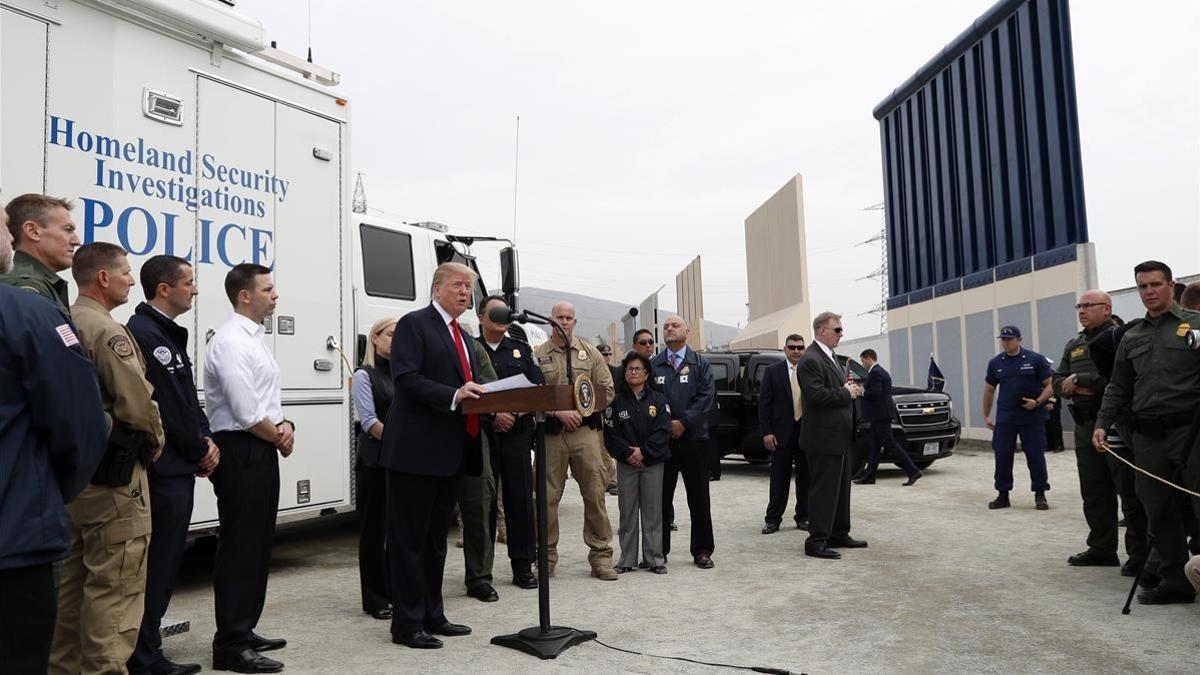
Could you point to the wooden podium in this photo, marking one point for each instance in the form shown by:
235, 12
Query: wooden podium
544, 641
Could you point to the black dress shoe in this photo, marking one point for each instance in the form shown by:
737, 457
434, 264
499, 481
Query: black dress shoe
1163, 596
449, 629
484, 593
1000, 502
1039, 501
821, 552
418, 640
384, 614
912, 479
622, 569
1131, 568
165, 666
1093, 558
247, 661
846, 542
263, 644
524, 579
703, 561
770, 529
802, 524
643, 565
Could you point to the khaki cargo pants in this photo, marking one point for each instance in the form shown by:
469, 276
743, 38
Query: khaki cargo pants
582, 450
102, 594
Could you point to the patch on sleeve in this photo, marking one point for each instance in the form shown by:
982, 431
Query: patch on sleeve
67, 335
121, 346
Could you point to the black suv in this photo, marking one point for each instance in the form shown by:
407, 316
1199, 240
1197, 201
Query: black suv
924, 423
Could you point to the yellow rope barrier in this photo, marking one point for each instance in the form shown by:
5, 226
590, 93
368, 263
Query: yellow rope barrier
1108, 449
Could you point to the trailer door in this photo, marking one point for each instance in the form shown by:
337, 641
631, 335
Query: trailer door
308, 242
23, 43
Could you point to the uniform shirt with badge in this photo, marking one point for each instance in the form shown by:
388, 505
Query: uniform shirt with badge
1018, 377
512, 357
29, 274
1077, 360
584, 359
1155, 372
638, 420
126, 393
690, 389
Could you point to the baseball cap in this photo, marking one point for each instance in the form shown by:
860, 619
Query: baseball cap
1009, 332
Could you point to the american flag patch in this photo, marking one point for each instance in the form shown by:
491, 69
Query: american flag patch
67, 335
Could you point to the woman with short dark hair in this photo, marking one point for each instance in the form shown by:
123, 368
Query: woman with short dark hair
637, 428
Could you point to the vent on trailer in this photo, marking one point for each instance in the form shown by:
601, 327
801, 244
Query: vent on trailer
162, 107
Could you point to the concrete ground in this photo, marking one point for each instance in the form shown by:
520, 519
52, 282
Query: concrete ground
946, 586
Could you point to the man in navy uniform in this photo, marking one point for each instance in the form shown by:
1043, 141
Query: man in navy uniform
53, 432
169, 284
878, 408
428, 444
779, 416
1025, 379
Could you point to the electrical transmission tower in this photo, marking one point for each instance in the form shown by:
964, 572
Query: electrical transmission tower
359, 203
880, 272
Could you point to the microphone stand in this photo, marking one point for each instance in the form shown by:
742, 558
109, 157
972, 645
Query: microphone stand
544, 641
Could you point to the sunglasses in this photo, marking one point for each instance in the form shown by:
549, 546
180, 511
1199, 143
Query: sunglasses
796, 347
645, 343
1086, 305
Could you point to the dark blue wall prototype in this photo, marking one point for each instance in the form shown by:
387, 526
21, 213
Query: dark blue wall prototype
981, 161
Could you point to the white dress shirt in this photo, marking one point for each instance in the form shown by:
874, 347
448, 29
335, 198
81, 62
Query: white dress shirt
241, 378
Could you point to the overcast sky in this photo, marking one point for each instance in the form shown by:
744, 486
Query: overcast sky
650, 130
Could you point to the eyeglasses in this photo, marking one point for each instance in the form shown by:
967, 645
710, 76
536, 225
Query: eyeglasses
837, 330
796, 347
1085, 305
635, 369
645, 343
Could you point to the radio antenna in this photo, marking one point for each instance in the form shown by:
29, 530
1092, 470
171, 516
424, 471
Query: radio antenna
516, 169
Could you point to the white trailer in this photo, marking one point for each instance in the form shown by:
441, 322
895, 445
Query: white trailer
174, 129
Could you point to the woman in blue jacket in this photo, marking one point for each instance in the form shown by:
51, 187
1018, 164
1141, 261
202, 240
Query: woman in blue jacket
637, 427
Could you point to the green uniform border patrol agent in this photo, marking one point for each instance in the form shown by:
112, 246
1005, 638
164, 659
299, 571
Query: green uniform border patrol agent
1157, 375
477, 496
44, 241
1079, 383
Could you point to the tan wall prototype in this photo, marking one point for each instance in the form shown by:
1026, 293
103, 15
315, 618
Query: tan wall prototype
776, 270
689, 294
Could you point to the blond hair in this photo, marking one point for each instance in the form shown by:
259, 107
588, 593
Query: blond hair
451, 269
824, 318
377, 329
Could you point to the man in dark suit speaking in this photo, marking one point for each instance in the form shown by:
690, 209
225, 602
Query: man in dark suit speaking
779, 411
826, 437
878, 408
427, 446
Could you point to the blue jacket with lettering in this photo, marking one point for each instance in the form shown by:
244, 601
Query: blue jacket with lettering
691, 391
52, 427
168, 368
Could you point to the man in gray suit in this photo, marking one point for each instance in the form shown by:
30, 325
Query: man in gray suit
826, 437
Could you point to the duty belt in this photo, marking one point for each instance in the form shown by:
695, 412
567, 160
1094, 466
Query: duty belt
1157, 426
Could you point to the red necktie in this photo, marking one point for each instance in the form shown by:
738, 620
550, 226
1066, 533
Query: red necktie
472, 418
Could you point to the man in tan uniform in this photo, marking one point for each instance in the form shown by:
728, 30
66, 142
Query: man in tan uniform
578, 442
101, 594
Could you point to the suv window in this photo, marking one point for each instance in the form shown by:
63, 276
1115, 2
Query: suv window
720, 371
387, 263
759, 369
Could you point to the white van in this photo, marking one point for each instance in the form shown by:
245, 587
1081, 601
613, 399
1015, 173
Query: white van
174, 129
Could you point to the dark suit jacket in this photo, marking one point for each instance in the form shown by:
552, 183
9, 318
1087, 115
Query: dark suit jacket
828, 427
422, 435
877, 403
775, 404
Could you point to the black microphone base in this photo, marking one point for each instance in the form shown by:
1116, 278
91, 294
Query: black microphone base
545, 643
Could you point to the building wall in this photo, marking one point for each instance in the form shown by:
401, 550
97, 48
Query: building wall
689, 294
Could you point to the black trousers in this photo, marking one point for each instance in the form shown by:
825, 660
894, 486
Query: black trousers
1166, 509
28, 609
374, 579
714, 449
246, 483
883, 440
828, 498
511, 465
171, 500
692, 459
1101, 479
787, 455
419, 509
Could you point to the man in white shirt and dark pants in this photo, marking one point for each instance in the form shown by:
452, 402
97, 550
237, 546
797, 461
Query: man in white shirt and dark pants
244, 401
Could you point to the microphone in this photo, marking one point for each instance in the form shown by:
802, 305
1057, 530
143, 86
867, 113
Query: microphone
502, 314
